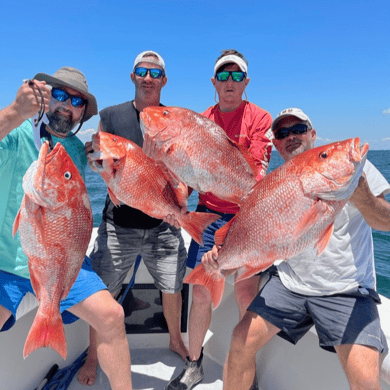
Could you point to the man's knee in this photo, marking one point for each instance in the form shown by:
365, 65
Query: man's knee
365, 383
4, 315
245, 291
239, 337
112, 316
201, 296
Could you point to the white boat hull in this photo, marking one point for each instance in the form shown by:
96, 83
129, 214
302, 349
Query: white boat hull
280, 365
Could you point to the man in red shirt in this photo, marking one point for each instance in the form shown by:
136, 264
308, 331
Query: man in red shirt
248, 125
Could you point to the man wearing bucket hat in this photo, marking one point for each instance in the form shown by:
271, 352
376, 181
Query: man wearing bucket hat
160, 244
335, 291
250, 126
49, 107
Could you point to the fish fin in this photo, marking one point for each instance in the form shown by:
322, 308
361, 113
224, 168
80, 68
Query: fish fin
182, 195
16, 224
212, 283
195, 223
315, 212
170, 176
220, 234
46, 331
113, 198
247, 271
324, 240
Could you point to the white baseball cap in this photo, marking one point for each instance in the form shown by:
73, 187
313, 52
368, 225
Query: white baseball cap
231, 58
298, 113
149, 53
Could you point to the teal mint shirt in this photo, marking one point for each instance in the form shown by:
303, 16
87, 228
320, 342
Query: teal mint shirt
17, 152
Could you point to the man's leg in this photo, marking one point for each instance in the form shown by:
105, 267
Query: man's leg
88, 371
115, 250
4, 315
361, 365
248, 337
245, 292
200, 318
172, 312
106, 316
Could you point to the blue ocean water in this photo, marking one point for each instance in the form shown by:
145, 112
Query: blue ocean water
380, 158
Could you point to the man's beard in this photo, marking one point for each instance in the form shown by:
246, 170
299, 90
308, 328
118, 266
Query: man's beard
60, 124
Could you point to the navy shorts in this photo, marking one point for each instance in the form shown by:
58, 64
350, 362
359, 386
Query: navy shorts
13, 288
195, 251
351, 318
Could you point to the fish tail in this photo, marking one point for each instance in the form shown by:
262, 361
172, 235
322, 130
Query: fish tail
46, 331
212, 283
195, 223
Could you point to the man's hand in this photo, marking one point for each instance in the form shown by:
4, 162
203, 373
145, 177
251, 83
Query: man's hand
210, 258
28, 99
88, 150
375, 209
362, 192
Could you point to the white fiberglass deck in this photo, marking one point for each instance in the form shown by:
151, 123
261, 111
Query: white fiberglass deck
153, 365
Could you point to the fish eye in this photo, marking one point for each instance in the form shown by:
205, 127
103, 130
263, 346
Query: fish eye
166, 112
115, 139
67, 175
323, 155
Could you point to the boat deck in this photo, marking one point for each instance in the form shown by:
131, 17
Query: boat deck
153, 368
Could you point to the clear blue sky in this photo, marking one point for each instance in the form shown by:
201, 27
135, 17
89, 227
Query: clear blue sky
330, 58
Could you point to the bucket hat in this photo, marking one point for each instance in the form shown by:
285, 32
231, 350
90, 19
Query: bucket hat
72, 78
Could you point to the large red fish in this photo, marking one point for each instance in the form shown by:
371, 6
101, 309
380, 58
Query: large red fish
55, 225
198, 152
136, 180
291, 209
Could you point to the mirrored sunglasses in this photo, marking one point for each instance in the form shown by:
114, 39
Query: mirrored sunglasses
154, 73
236, 76
63, 96
284, 132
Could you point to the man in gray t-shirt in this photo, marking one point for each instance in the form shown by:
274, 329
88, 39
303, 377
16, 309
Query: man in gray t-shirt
335, 292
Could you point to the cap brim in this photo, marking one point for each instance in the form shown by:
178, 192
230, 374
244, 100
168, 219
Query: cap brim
92, 108
276, 121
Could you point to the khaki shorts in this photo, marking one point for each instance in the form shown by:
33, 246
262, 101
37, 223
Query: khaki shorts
162, 249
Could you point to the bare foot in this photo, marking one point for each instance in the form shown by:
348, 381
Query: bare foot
179, 348
87, 373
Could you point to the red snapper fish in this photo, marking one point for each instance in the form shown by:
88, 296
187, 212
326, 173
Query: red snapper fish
137, 181
289, 210
198, 152
55, 225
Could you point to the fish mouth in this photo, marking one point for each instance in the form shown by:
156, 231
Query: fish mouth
35, 178
101, 161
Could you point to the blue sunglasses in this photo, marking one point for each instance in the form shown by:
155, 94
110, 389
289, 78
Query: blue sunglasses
154, 73
63, 96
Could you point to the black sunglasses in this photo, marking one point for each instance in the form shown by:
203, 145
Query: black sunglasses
63, 96
236, 76
154, 73
284, 132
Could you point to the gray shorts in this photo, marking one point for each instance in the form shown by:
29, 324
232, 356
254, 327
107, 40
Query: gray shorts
162, 249
351, 318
